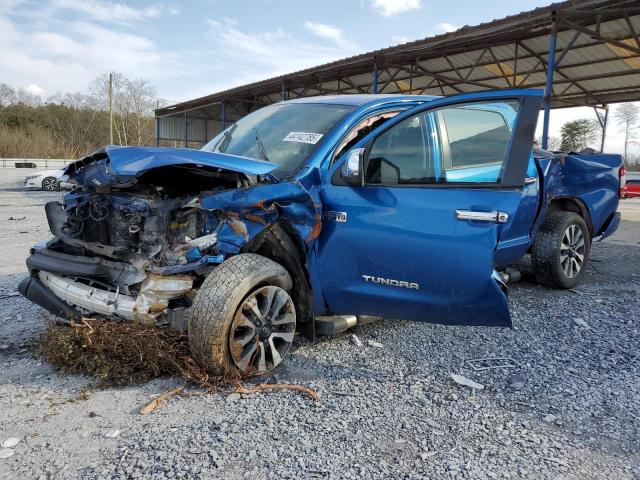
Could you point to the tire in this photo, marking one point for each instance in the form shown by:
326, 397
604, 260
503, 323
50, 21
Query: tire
554, 257
50, 184
226, 335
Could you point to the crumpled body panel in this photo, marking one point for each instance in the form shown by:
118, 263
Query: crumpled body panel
249, 211
114, 165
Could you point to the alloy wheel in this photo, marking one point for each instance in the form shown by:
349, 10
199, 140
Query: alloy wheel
50, 184
262, 330
572, 251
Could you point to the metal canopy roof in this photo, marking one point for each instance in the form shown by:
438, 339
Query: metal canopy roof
596, 62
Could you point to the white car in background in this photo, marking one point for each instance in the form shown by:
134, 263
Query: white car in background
50, 180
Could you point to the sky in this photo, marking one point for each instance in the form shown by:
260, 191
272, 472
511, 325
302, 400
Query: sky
194, 48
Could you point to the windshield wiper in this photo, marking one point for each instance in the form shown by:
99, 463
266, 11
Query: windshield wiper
226, 138
260, 145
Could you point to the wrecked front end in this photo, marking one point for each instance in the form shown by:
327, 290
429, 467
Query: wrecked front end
144, 227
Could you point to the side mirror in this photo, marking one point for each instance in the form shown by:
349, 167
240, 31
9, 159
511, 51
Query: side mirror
353, 168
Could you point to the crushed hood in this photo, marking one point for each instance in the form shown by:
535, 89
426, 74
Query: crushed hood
121, 165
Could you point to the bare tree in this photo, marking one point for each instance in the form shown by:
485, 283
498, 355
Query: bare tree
133, 103
7, 95
627, 115
76, 124
25, 97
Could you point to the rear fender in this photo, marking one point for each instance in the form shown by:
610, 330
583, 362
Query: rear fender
571, 204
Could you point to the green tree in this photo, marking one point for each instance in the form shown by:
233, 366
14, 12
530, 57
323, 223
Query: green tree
577, 135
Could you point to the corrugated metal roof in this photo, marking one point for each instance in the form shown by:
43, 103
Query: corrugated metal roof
601, 63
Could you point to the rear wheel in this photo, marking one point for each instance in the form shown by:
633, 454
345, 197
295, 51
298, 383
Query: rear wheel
561, 250
243, 318
50, 184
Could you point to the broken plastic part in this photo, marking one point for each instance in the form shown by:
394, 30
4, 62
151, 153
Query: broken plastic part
153, 299
156, 291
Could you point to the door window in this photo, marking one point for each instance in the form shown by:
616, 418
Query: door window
466, 143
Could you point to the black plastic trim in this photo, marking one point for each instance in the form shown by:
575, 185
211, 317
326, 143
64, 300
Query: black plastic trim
64, 264
33, 289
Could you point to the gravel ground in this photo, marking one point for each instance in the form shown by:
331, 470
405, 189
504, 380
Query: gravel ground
567, 409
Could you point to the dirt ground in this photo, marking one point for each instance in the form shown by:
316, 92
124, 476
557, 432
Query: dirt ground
567, 408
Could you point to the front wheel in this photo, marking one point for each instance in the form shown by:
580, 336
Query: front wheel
243, 318
50, 184
561, 250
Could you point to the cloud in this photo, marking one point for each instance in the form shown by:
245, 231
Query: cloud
260, 55
388, 8
34, 89
447, 27
397, 40
114, 11
64, 55
324, 30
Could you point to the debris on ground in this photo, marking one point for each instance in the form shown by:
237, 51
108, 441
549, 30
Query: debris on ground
581, 323
6, 452
375, 344
233, 397
460, 380
517, 381
120, 354
151, 406
489, 363
11, 442
277, 386
355, 340
427, 455
573, 290
112, 433
16, 218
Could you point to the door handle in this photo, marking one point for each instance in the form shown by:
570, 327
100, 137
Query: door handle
495, 216
530, 180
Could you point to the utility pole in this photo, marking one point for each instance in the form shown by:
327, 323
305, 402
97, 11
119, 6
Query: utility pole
110, 108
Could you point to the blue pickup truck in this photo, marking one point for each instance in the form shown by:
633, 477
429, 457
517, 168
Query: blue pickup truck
316, 214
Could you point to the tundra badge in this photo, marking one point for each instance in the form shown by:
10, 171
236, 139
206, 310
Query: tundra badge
391, 281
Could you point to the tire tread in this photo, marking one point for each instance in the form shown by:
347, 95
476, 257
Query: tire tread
545, 247
217, 300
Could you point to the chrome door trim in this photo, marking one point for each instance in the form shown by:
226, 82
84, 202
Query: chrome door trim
495, 216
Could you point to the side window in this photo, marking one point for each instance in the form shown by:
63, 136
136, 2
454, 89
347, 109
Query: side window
401, 155
475, 140
465, 143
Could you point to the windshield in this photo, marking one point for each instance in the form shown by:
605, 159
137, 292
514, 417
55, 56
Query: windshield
284, 134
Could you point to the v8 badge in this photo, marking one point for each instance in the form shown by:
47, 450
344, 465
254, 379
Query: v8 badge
339, 217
